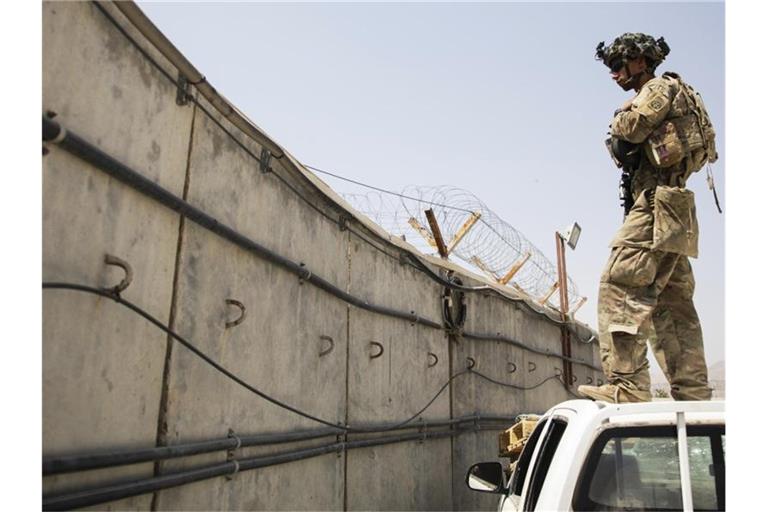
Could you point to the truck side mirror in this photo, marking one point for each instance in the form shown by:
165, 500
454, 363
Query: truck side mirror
486, 477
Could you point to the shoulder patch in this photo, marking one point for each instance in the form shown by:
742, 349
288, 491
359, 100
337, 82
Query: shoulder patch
656, 104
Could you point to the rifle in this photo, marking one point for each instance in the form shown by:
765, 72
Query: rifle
626, 156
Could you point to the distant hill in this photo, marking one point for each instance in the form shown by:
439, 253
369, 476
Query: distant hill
716, 373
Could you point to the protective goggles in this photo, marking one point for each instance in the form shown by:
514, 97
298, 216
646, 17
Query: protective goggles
616, 65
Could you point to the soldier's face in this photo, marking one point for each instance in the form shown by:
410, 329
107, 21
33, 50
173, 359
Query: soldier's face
623, 74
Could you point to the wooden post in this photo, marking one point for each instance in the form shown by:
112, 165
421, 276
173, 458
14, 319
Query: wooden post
424, 232
436, 234
515, 268
549, 293
473, 218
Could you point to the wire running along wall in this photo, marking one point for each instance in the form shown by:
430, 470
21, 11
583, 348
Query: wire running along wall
490, 245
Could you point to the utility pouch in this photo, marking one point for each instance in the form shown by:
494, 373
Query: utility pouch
675, 228
663, 146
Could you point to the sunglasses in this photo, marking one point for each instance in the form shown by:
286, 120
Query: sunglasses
616, 65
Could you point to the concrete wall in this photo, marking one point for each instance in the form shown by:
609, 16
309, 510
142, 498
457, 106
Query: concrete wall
112, 380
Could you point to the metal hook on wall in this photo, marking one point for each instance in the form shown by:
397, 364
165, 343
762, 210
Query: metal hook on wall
327, 350
117, 262
511, 367
589, 380
379, 346
238, 320
531, 366
470, 363
434, 358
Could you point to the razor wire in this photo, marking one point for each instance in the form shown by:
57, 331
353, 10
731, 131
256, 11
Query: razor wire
491, 245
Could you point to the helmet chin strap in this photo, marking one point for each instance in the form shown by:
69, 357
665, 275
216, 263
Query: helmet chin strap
632, 80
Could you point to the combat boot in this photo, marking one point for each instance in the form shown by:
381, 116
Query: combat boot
614, 394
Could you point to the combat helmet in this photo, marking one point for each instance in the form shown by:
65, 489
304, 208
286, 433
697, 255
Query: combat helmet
631, 45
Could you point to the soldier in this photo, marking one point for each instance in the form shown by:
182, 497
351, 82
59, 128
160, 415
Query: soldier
659, 137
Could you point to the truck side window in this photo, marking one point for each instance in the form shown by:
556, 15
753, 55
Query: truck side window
637, 468
525, 460
543, 461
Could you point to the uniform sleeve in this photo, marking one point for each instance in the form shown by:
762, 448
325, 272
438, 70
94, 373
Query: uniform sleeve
648, 110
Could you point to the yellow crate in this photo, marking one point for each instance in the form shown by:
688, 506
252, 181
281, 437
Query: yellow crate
512, 440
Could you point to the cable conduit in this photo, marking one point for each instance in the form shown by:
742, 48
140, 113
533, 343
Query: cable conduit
97, 495
192, 348
79, 147
74, 463
194, 77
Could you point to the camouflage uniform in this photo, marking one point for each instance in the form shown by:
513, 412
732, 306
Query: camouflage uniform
647, 283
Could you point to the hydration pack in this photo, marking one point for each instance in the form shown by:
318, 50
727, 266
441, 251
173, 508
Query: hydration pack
686, 133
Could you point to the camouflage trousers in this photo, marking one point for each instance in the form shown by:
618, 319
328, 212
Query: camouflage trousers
647, 296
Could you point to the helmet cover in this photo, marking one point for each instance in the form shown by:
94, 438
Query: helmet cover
631, 45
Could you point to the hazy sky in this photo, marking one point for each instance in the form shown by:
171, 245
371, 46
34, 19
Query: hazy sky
502, 99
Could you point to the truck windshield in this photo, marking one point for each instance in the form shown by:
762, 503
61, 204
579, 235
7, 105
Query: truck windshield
637, 468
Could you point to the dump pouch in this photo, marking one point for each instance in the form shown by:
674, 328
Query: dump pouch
675, 228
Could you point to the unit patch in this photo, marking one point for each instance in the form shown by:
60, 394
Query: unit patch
656, 104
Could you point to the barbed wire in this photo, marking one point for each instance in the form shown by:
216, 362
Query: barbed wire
491, 245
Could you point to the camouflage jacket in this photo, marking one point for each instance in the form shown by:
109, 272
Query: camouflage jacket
663, 216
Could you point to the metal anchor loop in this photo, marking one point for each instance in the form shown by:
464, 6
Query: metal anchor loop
330, 344
574, 379
531, 366
433, 357
238, 320
380, 351
471, 363
558, 372
589, 380
117, 262
511, 367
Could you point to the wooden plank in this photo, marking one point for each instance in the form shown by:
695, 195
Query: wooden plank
515, 268
549, 293
482, 266
471, 221
424, 232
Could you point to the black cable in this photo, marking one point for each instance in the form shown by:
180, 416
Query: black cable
73, 143
513, 386
449, 284
221, 369
83, 498
512, 341
387, 191
293, 189
54, 465
238, 380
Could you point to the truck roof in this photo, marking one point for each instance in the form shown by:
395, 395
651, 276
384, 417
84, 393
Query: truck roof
592, 414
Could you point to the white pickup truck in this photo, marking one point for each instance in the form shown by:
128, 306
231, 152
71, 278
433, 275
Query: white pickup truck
585, 455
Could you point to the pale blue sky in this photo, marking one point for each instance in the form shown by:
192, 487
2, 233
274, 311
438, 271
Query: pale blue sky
504, 100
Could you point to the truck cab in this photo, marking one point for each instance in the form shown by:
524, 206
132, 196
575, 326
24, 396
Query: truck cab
585, 455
